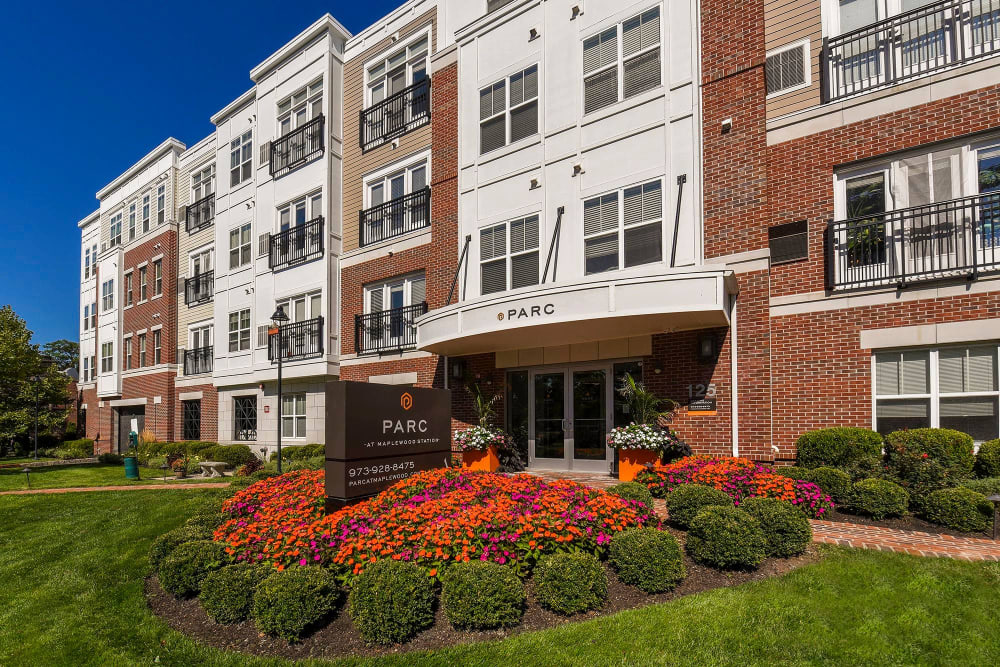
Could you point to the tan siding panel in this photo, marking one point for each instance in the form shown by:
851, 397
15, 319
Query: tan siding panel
786, 22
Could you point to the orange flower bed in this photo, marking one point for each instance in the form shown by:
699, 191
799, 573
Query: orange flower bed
433, 518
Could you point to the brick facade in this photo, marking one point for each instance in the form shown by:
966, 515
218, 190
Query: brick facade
209, 411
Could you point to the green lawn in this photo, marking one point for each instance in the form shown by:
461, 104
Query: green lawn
89, 474
71, 571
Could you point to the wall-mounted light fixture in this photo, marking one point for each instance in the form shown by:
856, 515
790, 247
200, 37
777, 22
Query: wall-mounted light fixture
533, 34
707, 347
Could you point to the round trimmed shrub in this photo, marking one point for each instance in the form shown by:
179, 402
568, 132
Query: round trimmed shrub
794, 472
684, 502
391, 602
164, 544
786, 529
633, 491
289, 604
570, 583
835, 483
988, 459
209, 520
927, 459
959, 509
481, 595
649, 559
838, 447
227, 594
182, 572
878, 498
233, 455
987, 486
727, 538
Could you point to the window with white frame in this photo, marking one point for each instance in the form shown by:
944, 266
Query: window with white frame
202, 183
201, 261
86, 317
141, 338
200, 336
157, 346
116, 230
628, 235
508, 110
145, 213
240, 158
128, 289
947, 387
107, 357
397, 183
158, 277
397, 71
142, 284
161, 204
86, 369
787, 68
622, 61
86, 262
509, 250
239, 330
127, 344
300, 107
300, 211
107, 295
293, 416
131, 221
239, 246
302, 308
395, 293
93, 315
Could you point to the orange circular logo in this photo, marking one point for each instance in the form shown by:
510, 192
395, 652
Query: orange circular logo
406, 401
500, 316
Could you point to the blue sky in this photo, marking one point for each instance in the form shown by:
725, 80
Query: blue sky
89, 88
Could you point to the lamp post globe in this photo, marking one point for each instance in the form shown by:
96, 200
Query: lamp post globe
278, 320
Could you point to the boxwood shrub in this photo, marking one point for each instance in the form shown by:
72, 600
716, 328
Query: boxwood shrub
182, 572
835, 483
684, 502
727, 538
927, 459
878, 498
291, 603
794, 472
391, 602
959, 509
480, 595
164, 544
649, 559
987, 486
838, 447
633, 491
227, 594
786, 528
209, 520
75, 449
570, 583
234, 455
988, 459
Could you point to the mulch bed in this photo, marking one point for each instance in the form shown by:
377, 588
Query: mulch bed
339, 638
901, 523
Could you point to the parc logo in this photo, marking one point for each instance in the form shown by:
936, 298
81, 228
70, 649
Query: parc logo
406, 401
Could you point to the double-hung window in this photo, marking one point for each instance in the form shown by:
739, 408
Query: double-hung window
293, 416
93, 316
200, 262
86, 317
116, 229
239, 330
131, 221
240, 158
300, 107
107, 357
300, 211
142, 283
128, 289
142, 350
622, 61
161, 204
202, 183
157, 346
617, 236
396, 293
86, 369
107, 295
394, 73
509, 249
127, 344
145, 213
948, 387
239, 246
158, 277
86, 263
508, 110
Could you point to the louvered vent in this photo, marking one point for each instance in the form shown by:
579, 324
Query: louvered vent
786, 69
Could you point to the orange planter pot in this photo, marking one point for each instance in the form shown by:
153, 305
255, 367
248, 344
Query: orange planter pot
485, 460
633, 461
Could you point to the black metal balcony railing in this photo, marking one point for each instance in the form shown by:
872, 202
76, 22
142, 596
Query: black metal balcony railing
396, 115
297, 147
297, 244
387, 330
909, 45
395, 218
951, 239
296, 341
198, 361
200, 288
200, 214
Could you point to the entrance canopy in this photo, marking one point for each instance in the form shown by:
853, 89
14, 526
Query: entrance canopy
579, 312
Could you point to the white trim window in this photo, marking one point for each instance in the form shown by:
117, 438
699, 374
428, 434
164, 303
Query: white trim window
788, 68
395, 293
93, 315
240, 158
201, 261
392, 185
616, 236
293, 416
143, 295
303, 307
509, 261
127, 344
141, 339
158, 277
107, 357
199, 336
948, 387
131, 221
300, 107
86, 262
397, 71
86, 369
157, 346
202, 183
107, 295
161, 204
239, 330
508, 110
128, 289
115, 232
240, 246
86, 317
622, 61
145, 213
299, 212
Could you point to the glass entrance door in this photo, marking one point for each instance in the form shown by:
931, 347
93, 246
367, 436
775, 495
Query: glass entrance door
570, 418
548, 433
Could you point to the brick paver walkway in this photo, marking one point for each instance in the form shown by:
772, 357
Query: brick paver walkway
854, 535
134, 487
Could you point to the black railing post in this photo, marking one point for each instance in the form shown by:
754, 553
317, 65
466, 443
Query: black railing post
395, 116
298, 146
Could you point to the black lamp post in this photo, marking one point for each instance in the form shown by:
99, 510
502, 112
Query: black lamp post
278, 320
37, 379
995, 499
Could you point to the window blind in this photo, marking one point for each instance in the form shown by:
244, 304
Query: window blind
524, 234
643, 203
524, 121
600, 50
494, 276
524, 86
493, 134
643, 244
492, 242
375, 299
600, 90
418, 291
524, 270
493, 99
967, 370
601, 254
600, 214
641, 32
902, 373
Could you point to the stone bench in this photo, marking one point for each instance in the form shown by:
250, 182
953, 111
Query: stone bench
212, 468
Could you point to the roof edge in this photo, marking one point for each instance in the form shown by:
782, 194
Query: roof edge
170, 144
323, 24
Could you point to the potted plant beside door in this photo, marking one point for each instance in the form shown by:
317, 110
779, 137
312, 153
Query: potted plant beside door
644, 441
481, 444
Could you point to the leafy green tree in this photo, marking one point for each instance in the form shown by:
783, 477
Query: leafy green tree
64, 353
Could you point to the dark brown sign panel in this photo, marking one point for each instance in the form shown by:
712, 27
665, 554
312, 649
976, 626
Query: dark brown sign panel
377, 435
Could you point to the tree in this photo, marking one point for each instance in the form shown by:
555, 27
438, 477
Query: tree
20, 361
64, 353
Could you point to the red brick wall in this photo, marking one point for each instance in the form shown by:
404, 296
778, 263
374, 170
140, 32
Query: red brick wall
157, 310
209, 411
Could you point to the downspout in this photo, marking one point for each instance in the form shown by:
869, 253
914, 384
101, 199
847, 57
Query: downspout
734, 375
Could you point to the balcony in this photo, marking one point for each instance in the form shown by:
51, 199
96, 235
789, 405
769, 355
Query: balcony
200, 214
388, 330
296, 245
297, 147
395, 218
296, 341
198, 362
944, 240
396, 115
910, 45
200, 288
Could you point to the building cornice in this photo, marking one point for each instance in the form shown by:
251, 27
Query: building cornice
167, 146
236, 105
325, 24
92, 218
